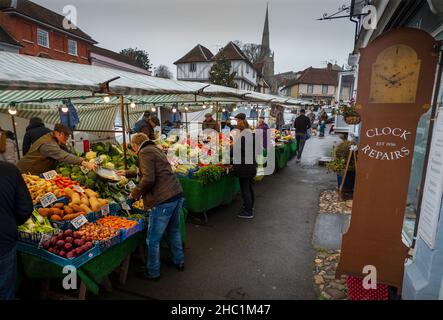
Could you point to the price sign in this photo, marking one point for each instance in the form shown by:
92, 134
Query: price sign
98, 160
84, 170
79, 221
125, 206
78, 189
105, 210
45, 237
50, 175
131, 185
48, 199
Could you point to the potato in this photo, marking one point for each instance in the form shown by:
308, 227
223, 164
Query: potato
71, 216
56, 217
58, 205
44, 212
68, 210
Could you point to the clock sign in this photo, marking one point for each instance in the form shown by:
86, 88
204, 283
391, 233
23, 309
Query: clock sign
396, 80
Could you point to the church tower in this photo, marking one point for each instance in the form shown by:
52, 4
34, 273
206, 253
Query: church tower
266, 56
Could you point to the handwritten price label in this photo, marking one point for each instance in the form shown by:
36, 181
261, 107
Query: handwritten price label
105, 210
45, 237
125, 206
50, 175
79, 221
78, 189
84, 170
131, 185
48, 199
98, 160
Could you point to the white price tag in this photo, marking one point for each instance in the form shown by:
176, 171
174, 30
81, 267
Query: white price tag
48, 199
45, 237
98, 160
125, 206
105, 210
84, 170
79, 221
50, 175
78, 188
131, 185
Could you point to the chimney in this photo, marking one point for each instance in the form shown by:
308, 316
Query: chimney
329, 66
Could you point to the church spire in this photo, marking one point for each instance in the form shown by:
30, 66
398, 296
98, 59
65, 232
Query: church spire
265, 39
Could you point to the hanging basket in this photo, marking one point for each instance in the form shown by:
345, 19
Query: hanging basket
353, 120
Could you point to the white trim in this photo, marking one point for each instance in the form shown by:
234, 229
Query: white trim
59, 51
28, 41
76, 48
47, 37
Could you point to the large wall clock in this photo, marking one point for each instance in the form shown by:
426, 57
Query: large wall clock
395, 76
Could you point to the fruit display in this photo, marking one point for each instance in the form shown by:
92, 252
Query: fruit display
138, 205
97, 232
38, 187
115, 222
68, 244
36, 224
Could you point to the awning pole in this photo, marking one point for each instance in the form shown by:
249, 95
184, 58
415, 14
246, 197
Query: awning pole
122, 113
15, 136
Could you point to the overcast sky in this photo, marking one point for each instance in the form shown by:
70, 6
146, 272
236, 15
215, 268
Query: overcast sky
168, 29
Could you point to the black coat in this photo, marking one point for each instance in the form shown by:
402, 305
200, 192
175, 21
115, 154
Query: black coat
245, 169
302, 124
33, 132
16, 205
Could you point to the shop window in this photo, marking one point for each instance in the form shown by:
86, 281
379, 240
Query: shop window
324, 89
43, 38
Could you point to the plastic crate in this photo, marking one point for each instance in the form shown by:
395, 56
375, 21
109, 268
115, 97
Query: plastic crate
114, 208
36, 237
106, 244
126, 233
46, 255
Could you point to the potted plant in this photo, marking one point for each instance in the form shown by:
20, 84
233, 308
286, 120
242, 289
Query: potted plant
340, 156
348, 111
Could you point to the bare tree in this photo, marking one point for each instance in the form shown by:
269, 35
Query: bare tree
163, 72
252, 51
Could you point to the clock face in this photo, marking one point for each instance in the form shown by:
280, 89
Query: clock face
395, 76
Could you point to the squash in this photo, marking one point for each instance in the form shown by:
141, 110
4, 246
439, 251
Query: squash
85, 208
95, 204
84, 200
91, 193
75, 198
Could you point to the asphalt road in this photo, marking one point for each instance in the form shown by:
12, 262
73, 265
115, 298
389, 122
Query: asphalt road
269, 257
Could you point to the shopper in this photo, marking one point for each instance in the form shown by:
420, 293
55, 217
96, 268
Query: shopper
323, 121
48, 150
146, 125
34, 131
245, 168
8, 148
210, 123
162, 193
16, 207
262, 125
301, 124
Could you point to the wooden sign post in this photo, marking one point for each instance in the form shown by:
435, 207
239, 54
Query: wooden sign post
396, 79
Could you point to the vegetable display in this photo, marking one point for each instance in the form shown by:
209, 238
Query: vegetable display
97, 232
38, 187
68, 244
36, 224
209, 174
117, 222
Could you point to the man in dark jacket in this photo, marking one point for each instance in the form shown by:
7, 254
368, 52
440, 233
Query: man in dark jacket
146, 125
16, 208
34, 131
302, 124
163, 195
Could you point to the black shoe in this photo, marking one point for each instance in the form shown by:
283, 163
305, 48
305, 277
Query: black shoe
180, 267
146, 276
246, 215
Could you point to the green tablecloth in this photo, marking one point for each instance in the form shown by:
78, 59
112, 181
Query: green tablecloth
91, 273
292, 148
282, 155
200, 198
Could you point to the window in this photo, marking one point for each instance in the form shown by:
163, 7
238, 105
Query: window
72, 47
43, 38
27, 32
192, 67
310, 89
324, 89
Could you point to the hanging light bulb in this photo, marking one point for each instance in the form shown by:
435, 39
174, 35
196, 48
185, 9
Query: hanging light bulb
132, 105
106, 99
186, 108
204, 106
223, 110
12, 110
65, 109
211, 106
153, 109
174, 110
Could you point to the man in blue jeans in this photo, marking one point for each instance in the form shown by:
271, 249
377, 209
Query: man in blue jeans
163, 195
15, 209
302, 124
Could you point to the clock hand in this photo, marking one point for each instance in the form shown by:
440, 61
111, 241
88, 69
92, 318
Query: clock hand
404, 77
